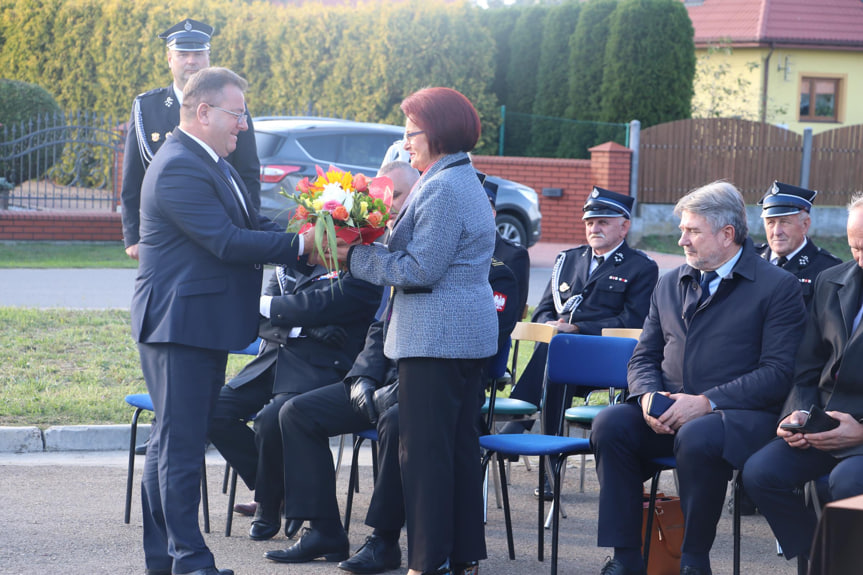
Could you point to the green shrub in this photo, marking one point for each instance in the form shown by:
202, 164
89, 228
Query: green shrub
24, 107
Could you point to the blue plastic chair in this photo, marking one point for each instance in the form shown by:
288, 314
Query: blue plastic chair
576, 360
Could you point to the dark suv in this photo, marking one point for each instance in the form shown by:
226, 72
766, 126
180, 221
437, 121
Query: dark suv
290, 147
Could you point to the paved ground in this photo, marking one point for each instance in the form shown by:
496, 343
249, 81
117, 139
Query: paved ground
63, 514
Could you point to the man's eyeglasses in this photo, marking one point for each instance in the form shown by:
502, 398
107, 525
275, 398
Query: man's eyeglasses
241, 117
411, 135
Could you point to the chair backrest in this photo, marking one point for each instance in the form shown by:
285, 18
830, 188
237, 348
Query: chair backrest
251, 349
630, 332
528, 331
589, 361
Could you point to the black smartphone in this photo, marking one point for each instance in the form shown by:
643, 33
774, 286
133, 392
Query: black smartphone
816, 421
657, 404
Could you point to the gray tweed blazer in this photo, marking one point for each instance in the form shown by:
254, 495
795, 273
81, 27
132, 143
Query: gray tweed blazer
438, 260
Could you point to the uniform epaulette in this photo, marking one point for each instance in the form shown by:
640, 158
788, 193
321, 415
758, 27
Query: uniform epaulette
150, 93
496, 262
643, 253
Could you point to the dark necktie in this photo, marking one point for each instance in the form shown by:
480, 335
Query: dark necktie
226, 170
706, 278
599, 260
781, 261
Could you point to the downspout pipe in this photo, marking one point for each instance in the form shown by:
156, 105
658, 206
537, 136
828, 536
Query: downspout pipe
764, 83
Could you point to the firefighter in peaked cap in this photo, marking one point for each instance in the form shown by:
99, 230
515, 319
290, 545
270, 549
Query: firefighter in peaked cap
785, 210
156, 113
604, 283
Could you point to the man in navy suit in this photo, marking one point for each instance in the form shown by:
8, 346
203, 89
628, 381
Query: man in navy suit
157, 112
196, 296
719, 340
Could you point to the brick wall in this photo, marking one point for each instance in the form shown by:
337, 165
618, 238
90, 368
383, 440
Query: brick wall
561, 216
60, 226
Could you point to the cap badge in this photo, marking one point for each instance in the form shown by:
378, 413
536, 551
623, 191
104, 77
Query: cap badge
594, 193
564, 286
169, 101
187, 26
155, 136
775, 189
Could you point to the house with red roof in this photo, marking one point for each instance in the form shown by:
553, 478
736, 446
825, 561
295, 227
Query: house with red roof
797, 63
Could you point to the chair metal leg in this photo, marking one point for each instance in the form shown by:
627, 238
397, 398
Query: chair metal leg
506, 515
339, 455
130, 473
552, 475
226, 477
232, 495
496, 480
737, 488
540, 512
651, 509
555, 505
205, 500
353, 482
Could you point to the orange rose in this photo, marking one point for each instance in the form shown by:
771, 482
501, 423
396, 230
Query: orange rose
374, 219
303, 186
361, 183
301, 213
340, 213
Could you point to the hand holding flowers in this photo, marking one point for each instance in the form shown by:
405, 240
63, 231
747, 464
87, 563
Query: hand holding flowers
340, 205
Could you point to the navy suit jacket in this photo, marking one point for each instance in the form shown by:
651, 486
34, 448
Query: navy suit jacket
199, 274
737, 347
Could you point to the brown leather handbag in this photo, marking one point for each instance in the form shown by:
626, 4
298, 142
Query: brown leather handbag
666, 538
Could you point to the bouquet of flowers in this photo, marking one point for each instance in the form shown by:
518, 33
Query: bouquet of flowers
339, 204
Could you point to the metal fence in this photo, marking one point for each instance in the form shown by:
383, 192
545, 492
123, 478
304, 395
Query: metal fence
61, 161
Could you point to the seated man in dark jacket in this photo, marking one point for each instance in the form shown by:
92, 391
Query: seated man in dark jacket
310, 419
312, 333
829, 376
719, 340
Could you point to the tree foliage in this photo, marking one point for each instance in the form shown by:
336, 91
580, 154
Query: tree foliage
586, 66
649, 63
551, 84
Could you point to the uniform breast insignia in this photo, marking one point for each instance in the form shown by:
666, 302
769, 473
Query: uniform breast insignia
618, 257
155, 136
618, 279
499, 301
564, 286
803, 261
805, 280
169, 101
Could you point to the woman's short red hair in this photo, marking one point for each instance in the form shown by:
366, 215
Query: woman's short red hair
450, 122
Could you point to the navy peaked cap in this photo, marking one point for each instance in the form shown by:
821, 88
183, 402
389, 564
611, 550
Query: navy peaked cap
188, 36
785, 200
607, 204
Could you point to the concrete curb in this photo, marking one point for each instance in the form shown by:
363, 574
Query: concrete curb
69, 438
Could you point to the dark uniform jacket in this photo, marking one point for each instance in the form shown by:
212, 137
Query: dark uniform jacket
806, 265
155, 114
617, 293
305, 363
517, 260
829, 371
736, 348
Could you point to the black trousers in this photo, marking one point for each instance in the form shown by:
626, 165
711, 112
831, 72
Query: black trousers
269, 478
440, 460
229, 431
624, 445
183, 383
772, 477
307, 422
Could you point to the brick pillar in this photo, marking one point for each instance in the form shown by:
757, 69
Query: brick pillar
610, 165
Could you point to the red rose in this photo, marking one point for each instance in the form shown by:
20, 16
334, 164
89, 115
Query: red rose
374, 219
340, 213
361, 183
303, 186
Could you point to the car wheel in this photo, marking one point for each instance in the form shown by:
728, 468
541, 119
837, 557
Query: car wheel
510, 228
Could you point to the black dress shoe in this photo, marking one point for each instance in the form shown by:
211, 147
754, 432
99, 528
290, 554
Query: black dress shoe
313, 545
142, 449
615, 567
265, 525
157, 571
547, 494
442, 570
690, 570
469, 568
248, 509
375, 556
292, 526
209, 571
